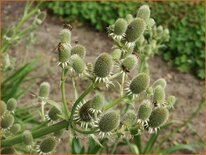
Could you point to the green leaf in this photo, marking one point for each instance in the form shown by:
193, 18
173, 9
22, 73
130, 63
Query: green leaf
77, 147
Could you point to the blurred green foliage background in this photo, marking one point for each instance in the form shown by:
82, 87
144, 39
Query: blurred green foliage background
185, 21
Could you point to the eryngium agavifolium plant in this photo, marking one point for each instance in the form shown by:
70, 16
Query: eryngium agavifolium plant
144, 105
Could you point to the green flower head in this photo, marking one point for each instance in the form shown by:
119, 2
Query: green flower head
79, 50
120, 26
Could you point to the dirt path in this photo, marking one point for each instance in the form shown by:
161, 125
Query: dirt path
185, 87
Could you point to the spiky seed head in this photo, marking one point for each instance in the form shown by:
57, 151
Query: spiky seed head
79, 50
120, 26
129, 63
103, 65
65, 36
159, 95
129, 18
159, 30
143, 12
109, 121
27, 137
7, 121
97, 101
47, 145
58, 133
11, 104
171, 100
53, 114
64, 53
84, 112
160, 82
139, 83
135, 29
15, 128
3, 107
116, 54
150, 22
149, 91
44, 89
129, 118
145, 110
8, 150
77, 63
158, 117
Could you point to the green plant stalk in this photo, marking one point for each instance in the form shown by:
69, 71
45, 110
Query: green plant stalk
201, 105
36, 133
114, 102
75, 89
66, 110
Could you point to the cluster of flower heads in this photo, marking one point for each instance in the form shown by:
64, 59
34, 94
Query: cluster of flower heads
148, 104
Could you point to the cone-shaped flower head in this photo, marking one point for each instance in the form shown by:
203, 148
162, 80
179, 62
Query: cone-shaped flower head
145, 110
44, 89
97, 102
129, 118
103, 65
47, 145
7, 121
8, 150
120, 26
116, 54
84, 113
160, 82
109, 121
77, 64
171, 100
27, 137
158, 117
129, 18
11, 104
65, 36
139, 83
143, 12
79, 50
3, 107
15, 128
159, 95
129, 63
64, 53
53, 114
135, 29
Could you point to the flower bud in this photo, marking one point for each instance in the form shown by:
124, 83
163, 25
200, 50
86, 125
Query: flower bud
160, 82
103, 65
158, 117
97, 102
3, 107
47, 145
143, 12
149, 91
129, 18
171, 100
135, 29
65, 36
129, 63
77, 64
64, 53
15, 128
159, 95
145, 110
53, 114
120, 26
150, 22
84, 113
79, 50
7, 121
139, 83
8, 150
44, 89
11, 104
109, 121
27, 137
159, 30
116, 54
129, 118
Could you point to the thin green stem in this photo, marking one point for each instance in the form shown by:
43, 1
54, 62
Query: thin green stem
75, 89
114, 102
63, 78
122, 84
36, 133
42, 111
